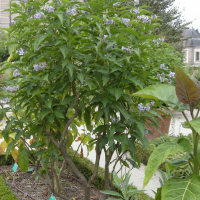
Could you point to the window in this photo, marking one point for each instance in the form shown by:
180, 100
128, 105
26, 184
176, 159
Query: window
197, 56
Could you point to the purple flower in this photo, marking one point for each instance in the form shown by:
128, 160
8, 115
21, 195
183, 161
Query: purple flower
16, 73
71, 11
13, 22
147, 108
40, 66
127, 50
152, 103
49, 8
140, 107
39, 15
109, 21
144, 19
147, 131
171, 74
105, 36
125, 20
137, 10
20, 52
162, 66
6, 100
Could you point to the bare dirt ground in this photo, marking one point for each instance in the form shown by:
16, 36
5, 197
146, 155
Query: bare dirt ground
28, 187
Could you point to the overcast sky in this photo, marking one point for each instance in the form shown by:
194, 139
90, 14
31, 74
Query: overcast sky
191, 11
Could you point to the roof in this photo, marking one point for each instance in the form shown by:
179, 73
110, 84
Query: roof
192, 36
193, 42
191, 33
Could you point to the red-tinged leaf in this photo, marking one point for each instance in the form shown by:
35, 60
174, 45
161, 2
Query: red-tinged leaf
186, 90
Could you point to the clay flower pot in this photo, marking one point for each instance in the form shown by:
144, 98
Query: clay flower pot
164, 125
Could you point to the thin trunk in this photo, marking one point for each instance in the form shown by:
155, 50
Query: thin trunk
76, 171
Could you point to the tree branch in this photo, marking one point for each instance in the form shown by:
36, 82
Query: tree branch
69, 122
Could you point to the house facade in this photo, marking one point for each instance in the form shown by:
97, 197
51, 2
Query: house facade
5, 17
192, 47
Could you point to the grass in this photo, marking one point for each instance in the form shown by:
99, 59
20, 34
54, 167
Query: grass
5, 192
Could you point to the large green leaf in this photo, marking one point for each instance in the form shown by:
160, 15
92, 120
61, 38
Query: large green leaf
158, 156
195, 124
182, 189
162, 92
186, 90
23, 158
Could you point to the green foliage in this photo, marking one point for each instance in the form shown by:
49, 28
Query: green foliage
5, 192
126, 190
80, 67
188, 93
183, 189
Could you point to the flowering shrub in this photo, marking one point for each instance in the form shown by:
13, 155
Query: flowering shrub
79, 61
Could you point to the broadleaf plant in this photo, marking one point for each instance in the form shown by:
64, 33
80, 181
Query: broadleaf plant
187, 93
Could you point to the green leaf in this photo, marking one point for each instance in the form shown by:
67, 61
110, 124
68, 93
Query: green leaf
80, 76
158, 194
163, 92
44, 113
51, 118
181, 189
64, 50
60, 16
112, 193
142, 128
39, 39
185, 143
158, 156
195, 124
105, 101
11, 47
46, 78
48, 104
23, 158
59, 114
105, 80
124, 142
71, 68
177, 163
186, 90
100, 129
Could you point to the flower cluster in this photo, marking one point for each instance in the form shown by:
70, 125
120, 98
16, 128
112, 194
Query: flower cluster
13, 22
6, 100
137, 10
152, 103
117, 4
171, 74
109, 21
20, 52
143, 108
39, 15
153, 16
123, 183
128, 50
11, 89
144, 19
162, 66
40, 66
49, 8
16, 73
125, 20
161, 77
161, 39
71, 11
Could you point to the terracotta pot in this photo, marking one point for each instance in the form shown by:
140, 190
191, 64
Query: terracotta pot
164, 126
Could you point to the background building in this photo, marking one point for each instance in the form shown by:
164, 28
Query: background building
192, 47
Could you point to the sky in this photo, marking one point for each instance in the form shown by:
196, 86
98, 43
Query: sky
190, 11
